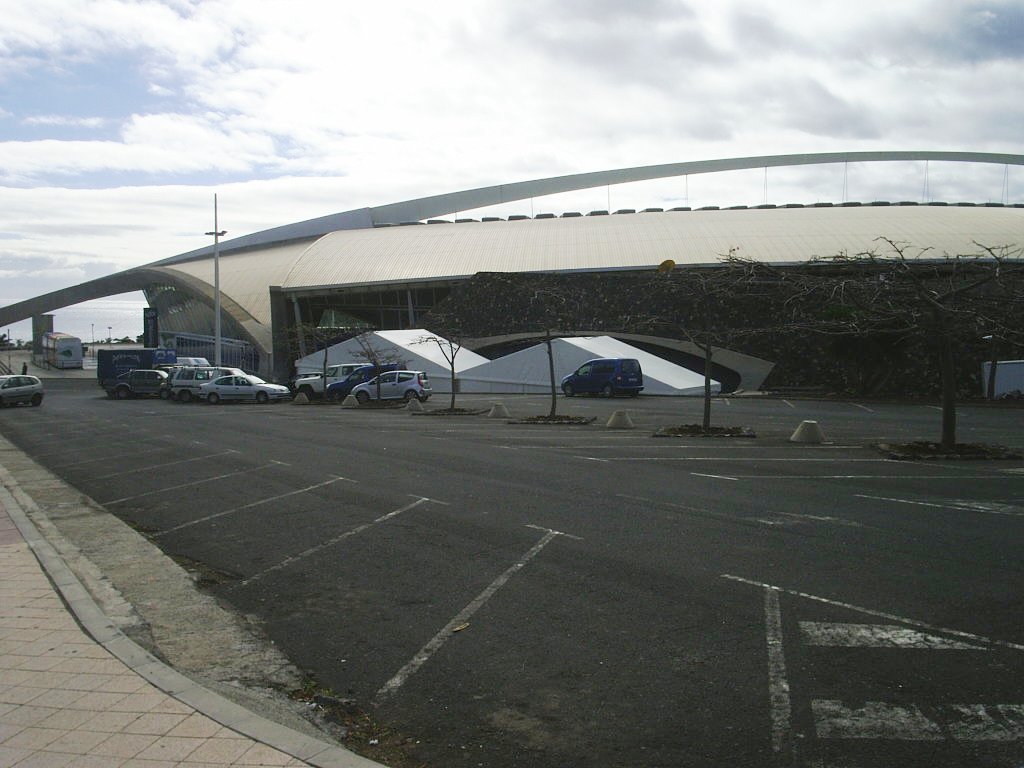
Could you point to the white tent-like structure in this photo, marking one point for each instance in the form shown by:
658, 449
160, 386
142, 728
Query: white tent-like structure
412, 348
527, 371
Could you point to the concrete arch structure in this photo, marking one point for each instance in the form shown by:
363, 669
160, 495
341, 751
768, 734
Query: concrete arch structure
353, 251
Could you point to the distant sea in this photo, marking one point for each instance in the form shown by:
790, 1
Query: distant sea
90, 320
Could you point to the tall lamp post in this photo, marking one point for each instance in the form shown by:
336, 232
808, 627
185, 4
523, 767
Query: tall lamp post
217, 235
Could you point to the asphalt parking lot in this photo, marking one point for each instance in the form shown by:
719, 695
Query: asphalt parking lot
506, 594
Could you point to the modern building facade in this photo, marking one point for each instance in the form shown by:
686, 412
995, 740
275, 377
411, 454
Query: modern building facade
384, 267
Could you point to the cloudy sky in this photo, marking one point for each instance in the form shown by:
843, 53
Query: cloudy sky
120, 119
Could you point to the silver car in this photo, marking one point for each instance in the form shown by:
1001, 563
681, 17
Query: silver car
394, 385
20, 389
242, 387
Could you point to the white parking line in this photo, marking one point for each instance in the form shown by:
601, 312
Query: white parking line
114, 457
194, 483
778, 685
252, 504
862, 407
965, 506
789, 403
438, 640
716, 477
166, 464
329, 543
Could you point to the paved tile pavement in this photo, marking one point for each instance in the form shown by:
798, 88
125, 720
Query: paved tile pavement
72, 699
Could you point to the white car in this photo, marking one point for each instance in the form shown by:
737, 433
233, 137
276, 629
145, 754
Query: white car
20, 389
243, 387
394, 385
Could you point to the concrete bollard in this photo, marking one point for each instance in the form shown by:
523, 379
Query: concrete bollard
499, 411
808, 432
414, 405
349, 402
620, 420
300, 399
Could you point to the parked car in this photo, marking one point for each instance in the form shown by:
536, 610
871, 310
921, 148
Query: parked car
138, 383
20, 389
242, 387
311, 383
339, 390
185, 381
608, 376
394, 385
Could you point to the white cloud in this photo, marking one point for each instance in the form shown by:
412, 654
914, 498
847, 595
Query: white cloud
292, 111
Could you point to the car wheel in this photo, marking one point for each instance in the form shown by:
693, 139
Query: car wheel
165, 395
307, 391
262, 398
184, 396
608, 391
37, 399
362, 397
410, 395
122, 393
569, 391
213, 398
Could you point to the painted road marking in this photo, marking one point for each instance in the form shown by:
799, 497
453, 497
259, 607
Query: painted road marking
875, 720
196, 482
780, 706
167, 464
789, 403
880, 614
991, 508
716, 477
881, 720
862, 407
251, 505
836, 719
792, 518
438, 640
824, 633
114, 457
292, 559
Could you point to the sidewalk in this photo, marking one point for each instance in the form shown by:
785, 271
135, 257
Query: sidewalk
76, 693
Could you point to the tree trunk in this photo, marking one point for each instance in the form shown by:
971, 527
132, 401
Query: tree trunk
451, 405
990, 387
551, 374
707, 384
948, 372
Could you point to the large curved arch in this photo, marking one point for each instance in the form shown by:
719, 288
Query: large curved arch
139, 279
453, 202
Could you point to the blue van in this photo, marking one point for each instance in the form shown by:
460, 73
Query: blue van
608, 376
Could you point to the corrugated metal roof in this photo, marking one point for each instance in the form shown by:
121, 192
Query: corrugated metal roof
400, 254
642, 240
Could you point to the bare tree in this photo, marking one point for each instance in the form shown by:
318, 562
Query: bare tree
940, 301
449, 350
698, 304
375, 355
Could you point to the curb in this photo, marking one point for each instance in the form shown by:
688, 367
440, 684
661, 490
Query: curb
105, 633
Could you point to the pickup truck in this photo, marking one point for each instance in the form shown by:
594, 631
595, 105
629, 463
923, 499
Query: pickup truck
137, 383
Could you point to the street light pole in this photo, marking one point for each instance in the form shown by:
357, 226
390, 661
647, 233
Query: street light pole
217, 234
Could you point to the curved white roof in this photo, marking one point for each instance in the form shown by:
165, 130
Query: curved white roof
369, 257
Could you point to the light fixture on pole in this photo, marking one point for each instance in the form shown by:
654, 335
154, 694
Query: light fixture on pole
217, 235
